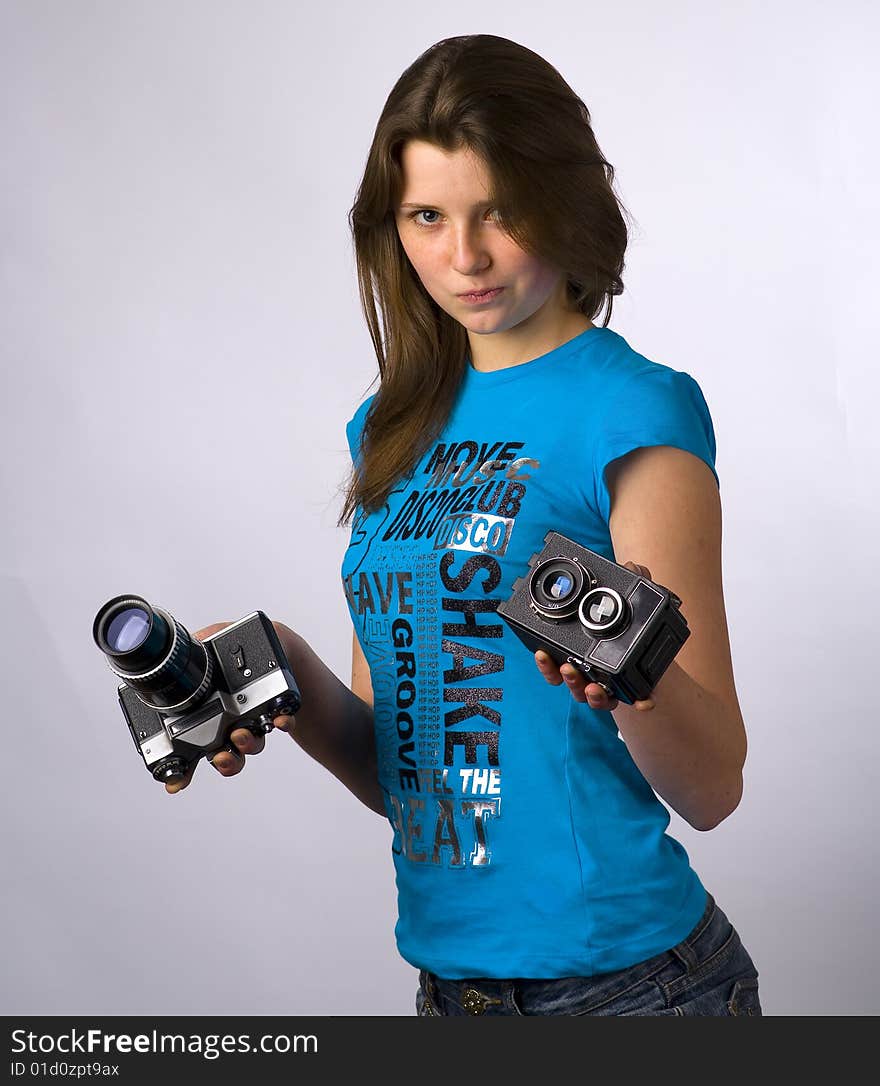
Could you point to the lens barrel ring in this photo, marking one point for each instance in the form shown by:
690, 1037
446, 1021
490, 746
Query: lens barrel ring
603, 629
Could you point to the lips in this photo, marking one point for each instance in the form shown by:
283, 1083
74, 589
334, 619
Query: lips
480, 301
477, 293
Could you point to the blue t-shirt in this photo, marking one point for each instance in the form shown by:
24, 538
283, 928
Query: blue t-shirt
526, 841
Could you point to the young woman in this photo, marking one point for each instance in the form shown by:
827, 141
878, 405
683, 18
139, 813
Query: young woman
534, 872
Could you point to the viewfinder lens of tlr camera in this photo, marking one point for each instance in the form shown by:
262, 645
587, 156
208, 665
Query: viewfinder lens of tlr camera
603, 612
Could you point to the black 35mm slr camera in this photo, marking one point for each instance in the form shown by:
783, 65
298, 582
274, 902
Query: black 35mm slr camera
617, 628
181, 696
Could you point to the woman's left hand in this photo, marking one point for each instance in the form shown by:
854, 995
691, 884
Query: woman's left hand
581, 690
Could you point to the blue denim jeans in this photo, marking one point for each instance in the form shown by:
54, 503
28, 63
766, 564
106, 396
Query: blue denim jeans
707, 973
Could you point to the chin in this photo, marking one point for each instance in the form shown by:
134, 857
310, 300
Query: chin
484, 331
487, 320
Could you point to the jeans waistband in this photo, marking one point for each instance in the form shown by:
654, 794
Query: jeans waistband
477, 995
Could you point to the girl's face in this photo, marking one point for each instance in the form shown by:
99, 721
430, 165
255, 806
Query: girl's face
447, 227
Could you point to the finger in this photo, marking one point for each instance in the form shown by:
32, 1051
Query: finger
547, 667
177, 786
599, 698
284, 723
644, 706
575, 681
227, 762
208, 631
245, 742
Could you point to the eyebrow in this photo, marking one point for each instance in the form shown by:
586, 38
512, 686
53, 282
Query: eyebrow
432, 207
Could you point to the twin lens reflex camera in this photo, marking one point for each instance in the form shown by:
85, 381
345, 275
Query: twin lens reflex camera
181, 696
617, 628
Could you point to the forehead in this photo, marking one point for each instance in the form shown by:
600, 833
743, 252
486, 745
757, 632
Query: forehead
430, 172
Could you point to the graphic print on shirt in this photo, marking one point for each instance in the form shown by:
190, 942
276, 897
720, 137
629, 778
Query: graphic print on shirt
422, 588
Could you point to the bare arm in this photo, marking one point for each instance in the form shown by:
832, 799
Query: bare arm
334, 725
688, 739
691, 747
361, 683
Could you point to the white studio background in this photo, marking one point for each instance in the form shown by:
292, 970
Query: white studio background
182, 346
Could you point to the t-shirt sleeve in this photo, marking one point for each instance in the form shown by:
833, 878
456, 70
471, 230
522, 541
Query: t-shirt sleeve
354, 428
660, 406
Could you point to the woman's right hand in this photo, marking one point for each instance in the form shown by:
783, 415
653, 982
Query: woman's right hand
242, 742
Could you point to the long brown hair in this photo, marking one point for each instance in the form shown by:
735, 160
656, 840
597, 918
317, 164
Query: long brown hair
553, 195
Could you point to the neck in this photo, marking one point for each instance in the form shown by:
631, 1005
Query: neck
525, 341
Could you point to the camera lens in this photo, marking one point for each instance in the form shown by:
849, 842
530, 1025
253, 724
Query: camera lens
128, 629
150, 651
555, 586
558, 585
603, 612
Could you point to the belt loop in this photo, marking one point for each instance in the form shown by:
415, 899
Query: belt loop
686, 951
685, 954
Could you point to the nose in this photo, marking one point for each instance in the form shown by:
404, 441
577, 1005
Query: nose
470, 255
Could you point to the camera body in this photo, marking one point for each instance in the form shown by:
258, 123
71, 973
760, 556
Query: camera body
617, 628
181, 696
